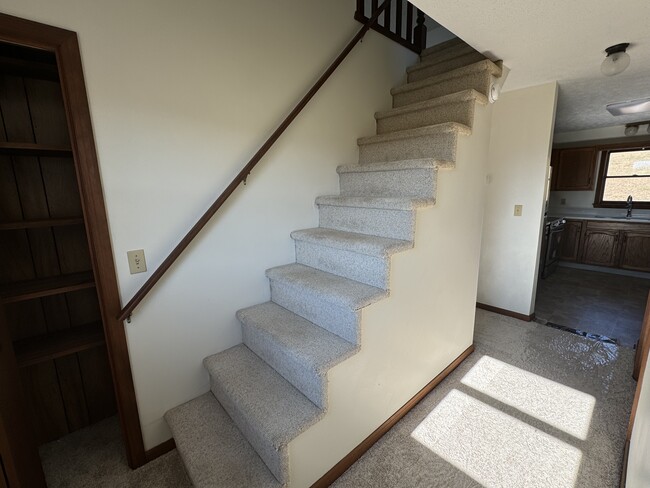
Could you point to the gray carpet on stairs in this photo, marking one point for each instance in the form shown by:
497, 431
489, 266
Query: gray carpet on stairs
406, 456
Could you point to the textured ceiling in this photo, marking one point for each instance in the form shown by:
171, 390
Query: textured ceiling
559, 40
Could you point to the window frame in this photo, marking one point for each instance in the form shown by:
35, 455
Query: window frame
604, 152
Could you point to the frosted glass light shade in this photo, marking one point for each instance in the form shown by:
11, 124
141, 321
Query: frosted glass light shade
615, 63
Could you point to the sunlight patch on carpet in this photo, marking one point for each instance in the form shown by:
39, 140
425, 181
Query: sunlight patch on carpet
557, 405
494, 448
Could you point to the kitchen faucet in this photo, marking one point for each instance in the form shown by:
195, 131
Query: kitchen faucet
629, 207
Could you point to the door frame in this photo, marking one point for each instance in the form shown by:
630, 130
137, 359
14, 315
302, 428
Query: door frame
65, 45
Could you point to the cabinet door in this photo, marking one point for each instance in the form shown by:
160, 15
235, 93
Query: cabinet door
571, 240
600, 247
575, 169
635, 252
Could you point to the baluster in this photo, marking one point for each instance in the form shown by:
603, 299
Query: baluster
387, 17
398, 17
420, 39
409, 22
361, 8
375, 6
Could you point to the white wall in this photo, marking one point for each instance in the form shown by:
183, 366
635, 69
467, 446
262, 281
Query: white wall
580, 203
181, 95
638, 467
519, 157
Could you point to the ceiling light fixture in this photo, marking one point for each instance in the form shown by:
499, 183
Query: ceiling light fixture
631, 130
632, 107
617, 60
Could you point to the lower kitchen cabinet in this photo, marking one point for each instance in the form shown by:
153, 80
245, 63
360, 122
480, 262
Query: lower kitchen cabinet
570, 248
635, 250
606, 243
600, 247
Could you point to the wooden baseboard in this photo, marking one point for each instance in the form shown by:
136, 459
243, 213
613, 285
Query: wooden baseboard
503, 311
159, 450
339, 468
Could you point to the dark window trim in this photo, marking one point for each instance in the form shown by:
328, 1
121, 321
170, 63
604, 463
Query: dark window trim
604, 151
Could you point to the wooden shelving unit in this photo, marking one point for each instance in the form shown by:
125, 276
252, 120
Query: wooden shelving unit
31, 149
28, 290
58, 344
36, 224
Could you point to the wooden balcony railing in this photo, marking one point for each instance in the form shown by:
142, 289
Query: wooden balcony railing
396, 23
126, 312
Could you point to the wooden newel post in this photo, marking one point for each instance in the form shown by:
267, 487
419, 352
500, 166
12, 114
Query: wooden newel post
420, 32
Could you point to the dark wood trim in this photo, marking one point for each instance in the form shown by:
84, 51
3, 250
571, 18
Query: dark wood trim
18, 450
509, 313
160, 449
64, 44
643, 346
243, 174
605, 150
339, 468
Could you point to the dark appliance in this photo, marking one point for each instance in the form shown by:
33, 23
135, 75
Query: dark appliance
551, 243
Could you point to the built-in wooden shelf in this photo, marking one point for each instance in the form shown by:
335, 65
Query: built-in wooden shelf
27, 290
35, 224
31, 149
58, 344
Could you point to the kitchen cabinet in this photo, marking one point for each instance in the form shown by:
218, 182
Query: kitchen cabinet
570, 247
573, 169
600, 246
635, 250
616, 244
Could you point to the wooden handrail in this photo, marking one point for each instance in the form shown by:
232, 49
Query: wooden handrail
125, 313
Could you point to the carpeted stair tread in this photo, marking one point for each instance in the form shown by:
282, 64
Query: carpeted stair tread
428, 131
461, 96
443, 46
299, 350
435, 66
213, 449
386, 203
392, 166
268, 409
485, 65
335, 289
352, 241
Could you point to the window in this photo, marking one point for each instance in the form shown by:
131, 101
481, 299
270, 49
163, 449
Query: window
624, 172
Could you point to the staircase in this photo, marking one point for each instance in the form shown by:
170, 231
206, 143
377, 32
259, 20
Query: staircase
318, 367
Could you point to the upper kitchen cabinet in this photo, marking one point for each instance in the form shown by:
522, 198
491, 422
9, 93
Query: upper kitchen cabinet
573, 169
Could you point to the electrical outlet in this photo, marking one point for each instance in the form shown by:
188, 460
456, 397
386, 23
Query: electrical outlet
137, 264
518, 210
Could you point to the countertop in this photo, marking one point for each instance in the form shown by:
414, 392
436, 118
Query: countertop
632, 220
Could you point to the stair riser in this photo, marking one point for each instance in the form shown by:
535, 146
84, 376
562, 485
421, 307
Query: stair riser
446, 54
396, 224
440, 146
444, 66
339, 320
271, 457
461, 112
309, 382
420, 183
370, 270
478, 81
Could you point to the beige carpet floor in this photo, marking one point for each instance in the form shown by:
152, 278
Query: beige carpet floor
532, 407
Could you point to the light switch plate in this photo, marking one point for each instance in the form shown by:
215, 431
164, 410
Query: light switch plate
137, 263
519, 210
